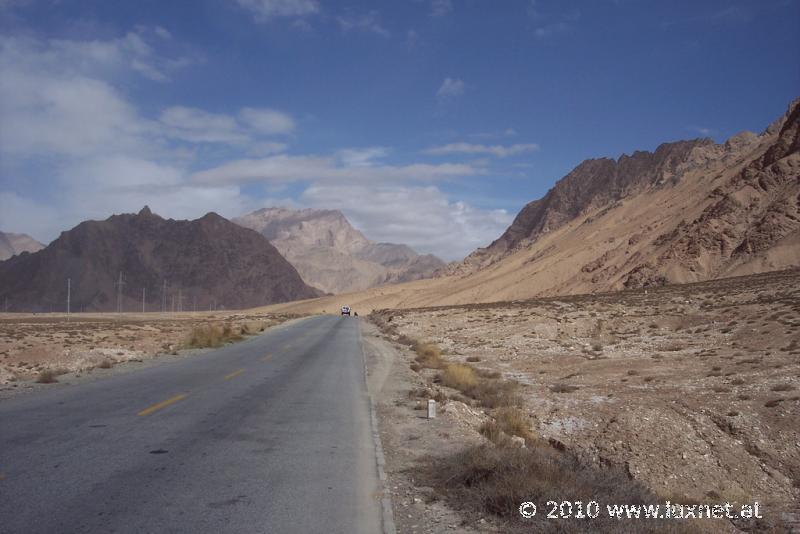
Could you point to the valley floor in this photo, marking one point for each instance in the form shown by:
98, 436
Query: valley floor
34, 346
693, 389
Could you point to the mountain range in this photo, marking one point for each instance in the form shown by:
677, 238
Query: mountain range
332, 255
689, 211
206, 263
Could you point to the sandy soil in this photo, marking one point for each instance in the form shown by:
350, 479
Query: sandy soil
30, 344
695, 389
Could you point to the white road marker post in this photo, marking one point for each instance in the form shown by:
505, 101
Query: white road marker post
431, 409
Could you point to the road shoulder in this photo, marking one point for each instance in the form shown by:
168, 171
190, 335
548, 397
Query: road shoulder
409, 439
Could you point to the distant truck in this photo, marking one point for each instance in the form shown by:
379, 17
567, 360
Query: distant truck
346, 310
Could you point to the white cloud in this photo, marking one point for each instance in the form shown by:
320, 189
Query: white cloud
421, 217
61, 117
548, 30
266, 148
64, 116
267, 121
361, 157
284, 169
369, 22
265, 10
701, 130
441, 7
61, 110
451, 87
495, 150
162, 32
198, 126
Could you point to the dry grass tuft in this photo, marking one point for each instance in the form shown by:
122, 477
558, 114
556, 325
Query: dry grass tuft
48, 376
488, 389
212, 335
496, 480
459, 376
428, 355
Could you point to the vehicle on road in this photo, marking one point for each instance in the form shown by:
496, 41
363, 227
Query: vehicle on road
346, 310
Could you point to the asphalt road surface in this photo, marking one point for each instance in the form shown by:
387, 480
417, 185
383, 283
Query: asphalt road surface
271, 434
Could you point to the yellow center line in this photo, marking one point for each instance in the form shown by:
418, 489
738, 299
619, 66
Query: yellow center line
162, 404
234, 374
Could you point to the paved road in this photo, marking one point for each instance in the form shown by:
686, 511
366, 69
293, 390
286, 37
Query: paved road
268, 435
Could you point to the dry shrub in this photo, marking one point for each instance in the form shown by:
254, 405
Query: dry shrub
459, 376
48, 376
514, 422
783, 387
212, 335
105, 364
473, 358
496, 480
563, 388
492, 431
428, 355
484, 387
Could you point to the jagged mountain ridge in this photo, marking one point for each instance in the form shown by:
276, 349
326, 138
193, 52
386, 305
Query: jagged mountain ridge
593, 183
751, 208
332, 255
692, 211
207, 262
13, 244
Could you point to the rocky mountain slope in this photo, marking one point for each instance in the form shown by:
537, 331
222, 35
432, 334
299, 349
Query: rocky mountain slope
690, 211
13, 244
723, 209
332, 255
208, 262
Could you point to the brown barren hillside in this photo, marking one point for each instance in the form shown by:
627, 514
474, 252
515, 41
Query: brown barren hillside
206, 263
690, 211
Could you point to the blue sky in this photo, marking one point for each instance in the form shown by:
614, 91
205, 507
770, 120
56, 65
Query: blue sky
427, 122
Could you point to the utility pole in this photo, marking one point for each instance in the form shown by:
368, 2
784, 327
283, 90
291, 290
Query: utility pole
69, 291
120, 283
143, 297
164, 297
180, 301
173, 303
